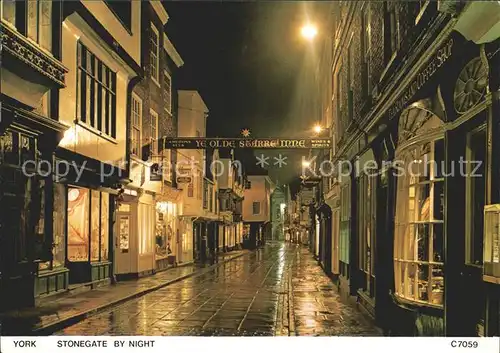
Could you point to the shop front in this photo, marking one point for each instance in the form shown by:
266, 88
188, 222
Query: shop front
29, 217
166, 235
88, 237
186, 240
135, 252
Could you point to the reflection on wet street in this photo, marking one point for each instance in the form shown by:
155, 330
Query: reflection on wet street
278, 290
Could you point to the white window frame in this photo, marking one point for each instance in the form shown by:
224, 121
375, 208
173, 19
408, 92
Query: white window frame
407, 219
154, 139
155, 75
135, 98
169, 109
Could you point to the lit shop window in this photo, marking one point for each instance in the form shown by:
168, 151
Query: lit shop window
59, 225
147, 215
88, 225
418, 239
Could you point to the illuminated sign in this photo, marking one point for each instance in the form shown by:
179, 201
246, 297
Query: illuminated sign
239, 143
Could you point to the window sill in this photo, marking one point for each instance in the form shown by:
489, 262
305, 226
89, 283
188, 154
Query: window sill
416, 303
97, 132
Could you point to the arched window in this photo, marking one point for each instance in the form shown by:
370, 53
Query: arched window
418, 233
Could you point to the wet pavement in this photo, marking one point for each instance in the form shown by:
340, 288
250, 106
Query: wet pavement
55, 312
278, 290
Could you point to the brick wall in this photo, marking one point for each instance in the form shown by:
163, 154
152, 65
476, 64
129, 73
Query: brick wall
153, 96
347, 24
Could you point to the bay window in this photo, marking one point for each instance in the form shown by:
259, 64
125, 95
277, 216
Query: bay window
419, 237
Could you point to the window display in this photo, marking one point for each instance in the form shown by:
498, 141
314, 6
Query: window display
104, 239
78, 224
124, 233
94, 233
88, 222
165, 228
419, 241
59, 222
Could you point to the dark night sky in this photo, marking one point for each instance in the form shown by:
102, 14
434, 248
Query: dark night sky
250, 65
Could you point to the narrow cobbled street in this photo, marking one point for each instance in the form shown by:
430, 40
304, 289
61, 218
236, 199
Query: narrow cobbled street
279, 290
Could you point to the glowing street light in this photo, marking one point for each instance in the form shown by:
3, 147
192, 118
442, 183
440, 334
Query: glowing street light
317, 128
306, 163
309, 31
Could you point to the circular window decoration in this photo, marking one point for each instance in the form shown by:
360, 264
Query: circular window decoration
471, 85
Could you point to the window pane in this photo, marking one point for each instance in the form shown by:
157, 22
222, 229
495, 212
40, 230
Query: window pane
78, 224
9, 11
59, 223
423, 282
104, 226
437, 283
94, 235
439, 158
412, 277
423, 237
438, 243
424, 203
438, 201
46, 24
32, 9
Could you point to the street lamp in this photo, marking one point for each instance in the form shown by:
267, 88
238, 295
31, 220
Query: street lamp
309, 31
317, 128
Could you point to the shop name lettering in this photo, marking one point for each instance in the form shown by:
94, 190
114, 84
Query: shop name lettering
436, 62
251, 143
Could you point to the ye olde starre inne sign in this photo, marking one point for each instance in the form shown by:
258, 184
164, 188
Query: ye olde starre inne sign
238, 143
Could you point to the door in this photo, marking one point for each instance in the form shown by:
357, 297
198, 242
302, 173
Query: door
474, 290
123, 227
